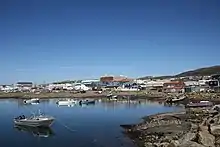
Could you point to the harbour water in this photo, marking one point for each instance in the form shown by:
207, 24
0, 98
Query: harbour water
79, 126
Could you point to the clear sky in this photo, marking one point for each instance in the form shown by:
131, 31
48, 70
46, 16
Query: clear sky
51, 40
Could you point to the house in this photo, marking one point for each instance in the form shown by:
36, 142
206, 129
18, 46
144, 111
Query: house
191, 83
24, 84
156, 85
114, 80
214, 85
91, 83
216, 77
191, 86
174, 86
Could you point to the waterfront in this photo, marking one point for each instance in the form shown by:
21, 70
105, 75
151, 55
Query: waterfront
93, 125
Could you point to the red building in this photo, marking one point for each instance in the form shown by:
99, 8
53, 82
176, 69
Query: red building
173, 86
114, 81
107, 79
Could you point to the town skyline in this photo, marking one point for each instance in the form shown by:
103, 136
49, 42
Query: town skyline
205, 71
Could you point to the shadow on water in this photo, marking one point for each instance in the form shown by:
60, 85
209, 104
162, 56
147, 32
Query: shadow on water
36, 131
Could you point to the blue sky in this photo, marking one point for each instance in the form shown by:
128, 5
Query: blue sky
50, 40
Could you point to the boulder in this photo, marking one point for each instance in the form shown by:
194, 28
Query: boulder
205, 138
187, 137
215, 130
190, 144
185, 144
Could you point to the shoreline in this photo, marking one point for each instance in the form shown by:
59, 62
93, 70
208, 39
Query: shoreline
89, 94
192, 127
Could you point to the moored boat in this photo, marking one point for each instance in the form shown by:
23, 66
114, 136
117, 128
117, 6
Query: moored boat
87, 101
67, 102
200, 104
34, 121
29, 101
174, 100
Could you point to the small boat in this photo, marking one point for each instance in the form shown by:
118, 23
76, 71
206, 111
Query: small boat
115, 96
34, 121
174, 100
200, 104
87, 101
29, 101
36, 131
109, 95
68, 102
113, 99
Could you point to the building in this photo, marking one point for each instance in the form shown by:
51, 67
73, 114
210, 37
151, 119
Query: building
216, 77
155, 85
214, 85
24, 84
191, 83
114, 80
174, 86
91, 83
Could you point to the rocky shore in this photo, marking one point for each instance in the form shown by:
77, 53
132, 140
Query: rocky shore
214, 97
191, 128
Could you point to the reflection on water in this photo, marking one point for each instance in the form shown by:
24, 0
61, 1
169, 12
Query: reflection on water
36, 131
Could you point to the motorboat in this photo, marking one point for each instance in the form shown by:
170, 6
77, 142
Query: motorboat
174, 100
68, 102
200, 104
109, 95
87, 101
31, 101
34, 120
36, 131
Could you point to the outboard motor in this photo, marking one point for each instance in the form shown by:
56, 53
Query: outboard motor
80, 102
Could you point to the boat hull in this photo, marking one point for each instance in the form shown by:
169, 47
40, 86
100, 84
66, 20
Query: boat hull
176, 100
34, 123
199, 105
86, 102
31, 101
66, 103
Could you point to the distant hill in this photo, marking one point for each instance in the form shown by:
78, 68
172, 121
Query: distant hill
206, 71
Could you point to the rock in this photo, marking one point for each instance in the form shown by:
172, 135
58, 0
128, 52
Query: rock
205, 138
185, 144
194, 128
187, 137
217, 140
215, 130
149, 145
190, 144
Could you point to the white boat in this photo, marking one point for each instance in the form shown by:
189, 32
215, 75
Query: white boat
30, 101
34, 121
68, 102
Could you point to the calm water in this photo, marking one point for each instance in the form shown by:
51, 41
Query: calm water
90, 126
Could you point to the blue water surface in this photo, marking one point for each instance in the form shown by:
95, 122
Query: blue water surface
88, 126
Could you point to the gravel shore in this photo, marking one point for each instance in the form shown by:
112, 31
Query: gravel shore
88, 94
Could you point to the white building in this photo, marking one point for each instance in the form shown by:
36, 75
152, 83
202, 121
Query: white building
81, 87
203, 82
158, 83
191, 83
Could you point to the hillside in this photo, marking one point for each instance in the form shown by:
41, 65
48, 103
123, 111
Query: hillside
197, 72
201, 72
